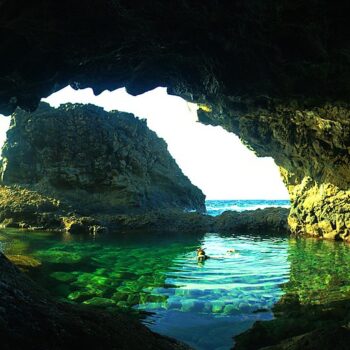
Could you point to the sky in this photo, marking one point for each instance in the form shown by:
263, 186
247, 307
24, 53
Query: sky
214, 160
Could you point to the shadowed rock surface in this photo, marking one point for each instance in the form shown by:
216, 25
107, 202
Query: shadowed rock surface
95, 162
21, 207
260, 221
29, 316
311, 147
213, 49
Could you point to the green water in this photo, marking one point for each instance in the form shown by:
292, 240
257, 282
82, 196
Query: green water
203, 305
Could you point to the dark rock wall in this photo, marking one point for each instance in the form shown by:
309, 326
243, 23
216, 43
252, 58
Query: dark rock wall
199, 48
96, 161
311, 146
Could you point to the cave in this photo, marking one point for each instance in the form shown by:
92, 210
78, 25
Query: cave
275, 73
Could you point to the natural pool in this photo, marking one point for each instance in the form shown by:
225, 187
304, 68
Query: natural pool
203, 305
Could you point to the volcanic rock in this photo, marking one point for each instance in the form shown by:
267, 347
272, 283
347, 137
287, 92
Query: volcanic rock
91, 161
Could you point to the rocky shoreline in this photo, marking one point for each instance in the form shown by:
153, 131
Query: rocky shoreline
26, 209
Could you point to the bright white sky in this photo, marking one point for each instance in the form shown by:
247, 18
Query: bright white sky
216, 161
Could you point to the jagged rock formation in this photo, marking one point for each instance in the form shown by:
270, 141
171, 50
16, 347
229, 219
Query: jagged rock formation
94, 162
29, 316
260, 221
311, 147
203, 48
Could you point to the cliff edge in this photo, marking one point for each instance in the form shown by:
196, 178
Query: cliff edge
94, 162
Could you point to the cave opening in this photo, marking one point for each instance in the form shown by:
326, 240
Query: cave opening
214, 160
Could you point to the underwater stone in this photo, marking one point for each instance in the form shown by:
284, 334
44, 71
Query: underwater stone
24, 261
59, 257
230, 309
63, 276
174, 305
118, 296
133, 299
98, 301
122, 304
76, 295
63, 290
217, 306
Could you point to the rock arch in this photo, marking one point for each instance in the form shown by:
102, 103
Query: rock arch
275, 73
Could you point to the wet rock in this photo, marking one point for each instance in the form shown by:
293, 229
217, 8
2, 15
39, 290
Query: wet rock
24, 261
325, 339
59, 256
310, 146
100, 302
260, 221
63, 276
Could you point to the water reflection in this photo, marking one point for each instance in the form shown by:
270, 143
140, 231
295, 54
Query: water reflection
203, 305
317, 296
319, 271
225, 295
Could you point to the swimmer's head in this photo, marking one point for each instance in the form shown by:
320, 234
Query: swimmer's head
200, 251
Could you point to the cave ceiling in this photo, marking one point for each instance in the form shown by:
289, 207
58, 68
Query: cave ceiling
205, 51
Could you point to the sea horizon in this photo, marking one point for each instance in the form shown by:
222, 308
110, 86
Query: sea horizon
218, 206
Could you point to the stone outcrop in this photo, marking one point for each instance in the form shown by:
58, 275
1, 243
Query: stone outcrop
30, 318
260, 221
311, 147
92, 161
28, 209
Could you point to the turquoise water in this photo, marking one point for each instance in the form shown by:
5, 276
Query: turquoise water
216, 207
224, 296
202, 304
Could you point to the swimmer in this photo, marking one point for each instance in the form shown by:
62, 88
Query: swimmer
231, 251
201, 256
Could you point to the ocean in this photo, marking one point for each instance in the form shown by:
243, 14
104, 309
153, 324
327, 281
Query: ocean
216, 207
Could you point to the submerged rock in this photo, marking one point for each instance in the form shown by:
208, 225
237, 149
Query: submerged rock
100, 302
29, 316
24, 261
